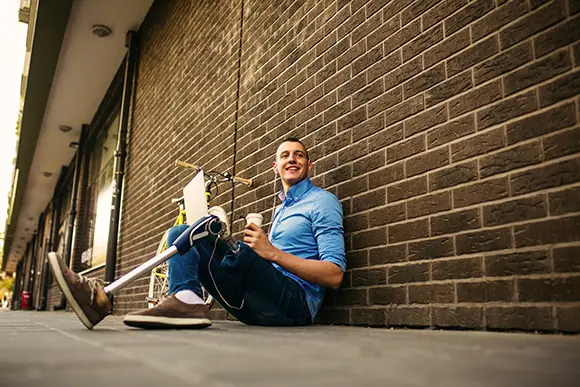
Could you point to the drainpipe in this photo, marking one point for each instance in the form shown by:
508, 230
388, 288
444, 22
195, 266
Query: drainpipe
132, 44
68, 235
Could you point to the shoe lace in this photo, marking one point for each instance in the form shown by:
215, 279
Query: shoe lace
93, 285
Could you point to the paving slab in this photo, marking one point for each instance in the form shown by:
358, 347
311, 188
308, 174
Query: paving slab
54, 349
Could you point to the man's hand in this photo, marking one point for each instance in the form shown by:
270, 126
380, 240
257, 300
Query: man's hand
256, 238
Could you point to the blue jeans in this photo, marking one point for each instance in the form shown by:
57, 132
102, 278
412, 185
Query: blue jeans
247, 286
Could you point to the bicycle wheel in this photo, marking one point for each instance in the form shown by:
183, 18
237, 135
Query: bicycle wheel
159, 282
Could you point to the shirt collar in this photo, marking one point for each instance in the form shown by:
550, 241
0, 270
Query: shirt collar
296, 191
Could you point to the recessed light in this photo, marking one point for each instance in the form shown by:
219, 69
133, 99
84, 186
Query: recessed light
101, 30
73, 145
64, 128
47, 174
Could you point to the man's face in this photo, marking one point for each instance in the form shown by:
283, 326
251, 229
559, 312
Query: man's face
291, 163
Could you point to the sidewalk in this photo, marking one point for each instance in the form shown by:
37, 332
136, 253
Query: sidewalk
53, 349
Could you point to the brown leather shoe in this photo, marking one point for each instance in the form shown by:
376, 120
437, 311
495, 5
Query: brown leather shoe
170, 314
86, 296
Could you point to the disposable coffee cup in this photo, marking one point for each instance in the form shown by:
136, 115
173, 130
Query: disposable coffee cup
254, 218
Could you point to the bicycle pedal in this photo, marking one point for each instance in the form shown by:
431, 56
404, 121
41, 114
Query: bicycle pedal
223, 217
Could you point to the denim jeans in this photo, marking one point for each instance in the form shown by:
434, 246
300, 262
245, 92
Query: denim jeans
247, 286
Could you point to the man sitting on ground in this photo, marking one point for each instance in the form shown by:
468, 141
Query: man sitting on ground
279, 279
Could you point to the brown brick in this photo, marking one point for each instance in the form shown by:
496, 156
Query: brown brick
453, 175
369, 200
516, 210
456, 221
401, 37
564, 201
370, 238
336, 111
386, 215
518, 157
355, 51
392, 9
416, 9
436, 293
351, 152
383, 66
366, 94
456, 269
562, 88
429, 204
349, 88
455, 317
476, 145
427, 161
386, 295
370, 163
504, 62
474, 99
485, 291
408, 231
553, 175
472, 12
536, 72
441, 11
368, 59
473, 55
547, 232
425, 120
430, 249
520, 263
334, 51
334, 316
568, 320
383, 32
486, 240
446, 48
451, 131
448, 89
498, 18
402, 274
424, 81
407, 189
405, 149
401, 74
368, 277
388, 254
356, 222
355, 20
368, 316
532, 23
423, 42
549, 289
338, 175
576, 49
357, 259
539, 124
519, 317
385, 101
480, 192
506, 109
560, 36
573, 6
386, 176
403, 110
350, 297
365, 28
562, 144
369, 127
566, 259
408, 317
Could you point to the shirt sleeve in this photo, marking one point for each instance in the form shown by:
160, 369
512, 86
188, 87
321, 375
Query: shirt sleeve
328, 229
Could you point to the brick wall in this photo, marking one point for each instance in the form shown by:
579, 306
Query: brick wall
448, 129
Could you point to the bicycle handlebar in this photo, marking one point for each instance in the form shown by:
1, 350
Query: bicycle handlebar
228, 177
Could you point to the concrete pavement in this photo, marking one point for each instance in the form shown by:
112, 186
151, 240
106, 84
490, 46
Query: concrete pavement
54, 349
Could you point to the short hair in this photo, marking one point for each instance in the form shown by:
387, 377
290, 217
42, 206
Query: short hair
295, 139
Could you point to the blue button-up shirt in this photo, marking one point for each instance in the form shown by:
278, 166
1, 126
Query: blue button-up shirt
308, 225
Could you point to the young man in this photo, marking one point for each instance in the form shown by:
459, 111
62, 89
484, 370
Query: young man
279, 279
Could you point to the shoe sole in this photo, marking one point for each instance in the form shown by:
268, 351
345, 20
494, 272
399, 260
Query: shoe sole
166, 322
54, 265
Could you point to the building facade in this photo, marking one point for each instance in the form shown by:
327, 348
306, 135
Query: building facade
447, 129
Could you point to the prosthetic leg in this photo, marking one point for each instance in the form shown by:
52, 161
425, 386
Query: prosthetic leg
214, 224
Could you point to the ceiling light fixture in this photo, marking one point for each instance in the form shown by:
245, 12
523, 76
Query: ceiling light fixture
64, 128
101, 30
47, 174
73, 145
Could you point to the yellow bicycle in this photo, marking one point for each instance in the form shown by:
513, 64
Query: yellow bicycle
158, 282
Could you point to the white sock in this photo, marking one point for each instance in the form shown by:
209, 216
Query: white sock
189, 297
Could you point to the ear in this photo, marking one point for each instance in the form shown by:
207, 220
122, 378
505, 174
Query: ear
274, 168
309, 165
